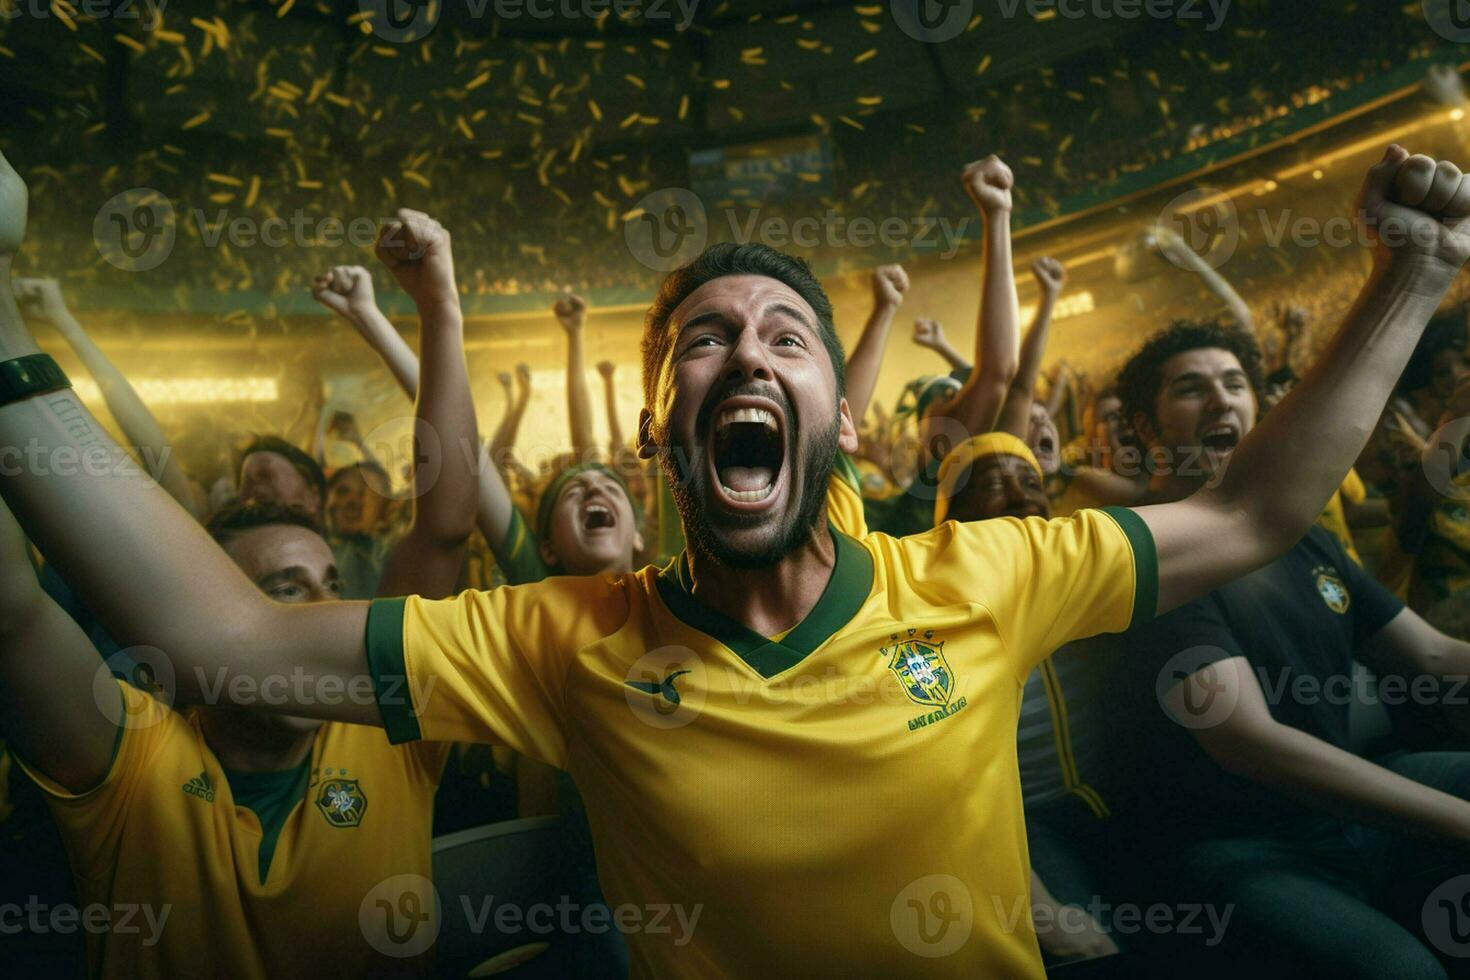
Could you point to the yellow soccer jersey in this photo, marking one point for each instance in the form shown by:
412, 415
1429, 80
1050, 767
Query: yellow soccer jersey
845, 801
1334, 518
161, 832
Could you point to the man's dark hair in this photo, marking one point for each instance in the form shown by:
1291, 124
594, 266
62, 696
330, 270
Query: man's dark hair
309, 468
1444, 332
731, 259
1282, 377
1143, 375
235, 519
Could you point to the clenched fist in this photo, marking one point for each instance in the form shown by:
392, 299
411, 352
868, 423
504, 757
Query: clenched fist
928, 333
606, 369
416, 249
43, 297
890, 282
13, 203
347, 291
571, 311
989, 184
1050, 275
1417, 211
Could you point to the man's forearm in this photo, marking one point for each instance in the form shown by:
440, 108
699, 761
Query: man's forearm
445, 509
1350, 787
1285, 471
1015, 415
391, 347
866, 358
977, 406
579, 399
132, 415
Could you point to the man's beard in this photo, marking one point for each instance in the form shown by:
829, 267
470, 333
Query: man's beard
691, 488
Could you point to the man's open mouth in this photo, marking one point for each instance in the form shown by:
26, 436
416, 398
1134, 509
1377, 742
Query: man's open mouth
598, 516
1221, 438
748, 450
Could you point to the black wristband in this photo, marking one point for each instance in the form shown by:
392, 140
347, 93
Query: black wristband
34, 374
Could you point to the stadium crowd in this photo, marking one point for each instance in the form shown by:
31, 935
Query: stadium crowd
1077, 637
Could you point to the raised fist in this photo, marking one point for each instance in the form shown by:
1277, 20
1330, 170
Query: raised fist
928, 333
989, 184
13, 200
571, 311
890, 282
416, 249
1050, 275
43, 297
346, 290
523, 374
505, 380
606, 369
1416, 210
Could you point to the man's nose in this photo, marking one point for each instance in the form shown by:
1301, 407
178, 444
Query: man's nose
748, 360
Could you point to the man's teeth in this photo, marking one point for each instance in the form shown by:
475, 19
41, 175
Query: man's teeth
749, 496
732, 415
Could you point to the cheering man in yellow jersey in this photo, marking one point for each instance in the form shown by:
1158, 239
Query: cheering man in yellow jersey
255, 841
805, 739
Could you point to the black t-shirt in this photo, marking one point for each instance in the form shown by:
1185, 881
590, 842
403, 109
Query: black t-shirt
1298, 622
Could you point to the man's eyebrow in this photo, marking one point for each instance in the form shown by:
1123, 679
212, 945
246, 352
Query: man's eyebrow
790, 311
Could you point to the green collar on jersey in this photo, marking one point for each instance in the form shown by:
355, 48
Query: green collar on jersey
847, 590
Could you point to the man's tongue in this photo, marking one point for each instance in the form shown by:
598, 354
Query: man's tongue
747, 479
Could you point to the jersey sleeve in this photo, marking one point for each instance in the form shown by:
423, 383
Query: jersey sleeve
519, 555
91, 822
1047, 582
488, 666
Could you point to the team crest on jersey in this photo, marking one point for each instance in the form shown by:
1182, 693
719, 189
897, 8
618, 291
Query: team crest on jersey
1333, 592
342, 802
919, 664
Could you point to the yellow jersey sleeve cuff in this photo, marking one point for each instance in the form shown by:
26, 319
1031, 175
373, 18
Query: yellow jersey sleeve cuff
1145, 563
389, 671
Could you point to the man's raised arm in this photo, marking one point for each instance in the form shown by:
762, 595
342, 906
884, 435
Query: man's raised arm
139, 560
1283, 472
997, 335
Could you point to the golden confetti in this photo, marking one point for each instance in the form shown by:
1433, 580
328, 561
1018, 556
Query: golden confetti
984, 64
593, 108
253, 192
92, 53
870, 100
464, 127
851, 122
417, 178
867, 55
225, 179
477, 81
683, 105
635, 81
285, 8
198, 120
129, 42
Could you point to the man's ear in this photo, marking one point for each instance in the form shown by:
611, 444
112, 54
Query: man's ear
647, 449
548, 554
637, 543
847, 437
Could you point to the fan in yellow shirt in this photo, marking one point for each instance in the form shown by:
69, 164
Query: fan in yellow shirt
843, 799
230, 829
